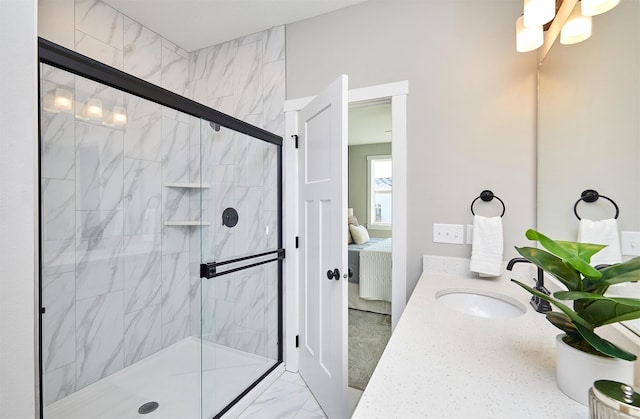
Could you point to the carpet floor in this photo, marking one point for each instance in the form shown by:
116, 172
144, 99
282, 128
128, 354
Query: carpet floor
368, 336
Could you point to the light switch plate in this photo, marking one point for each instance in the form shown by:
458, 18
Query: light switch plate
630, 241
448, 233
469, 233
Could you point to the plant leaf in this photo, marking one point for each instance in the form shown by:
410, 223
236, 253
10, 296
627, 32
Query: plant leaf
583, 250
600, 310
575, 319
562, 322
553, 265
583, 328
578, 255
627, 271
604, 346
583, 295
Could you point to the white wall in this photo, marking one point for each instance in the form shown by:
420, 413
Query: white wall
18, 145
588, 129
471, 103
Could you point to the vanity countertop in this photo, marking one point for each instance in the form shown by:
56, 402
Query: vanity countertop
441, 363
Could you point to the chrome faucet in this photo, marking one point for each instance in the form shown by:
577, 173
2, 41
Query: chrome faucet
540, 305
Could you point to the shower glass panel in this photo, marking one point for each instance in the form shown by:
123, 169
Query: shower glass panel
121, 250
240, 324
161, 261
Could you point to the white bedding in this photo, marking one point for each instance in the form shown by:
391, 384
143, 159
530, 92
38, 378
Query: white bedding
375, 271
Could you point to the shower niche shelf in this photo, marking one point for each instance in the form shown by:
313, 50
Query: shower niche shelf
186, 223
187, 185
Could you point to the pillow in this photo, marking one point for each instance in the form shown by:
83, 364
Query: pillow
359, 233
351, 219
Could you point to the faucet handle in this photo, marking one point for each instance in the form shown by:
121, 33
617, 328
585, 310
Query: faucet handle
540, 305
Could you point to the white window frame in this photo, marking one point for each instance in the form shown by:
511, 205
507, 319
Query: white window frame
370, 195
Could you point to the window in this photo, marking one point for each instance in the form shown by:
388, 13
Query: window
380, 192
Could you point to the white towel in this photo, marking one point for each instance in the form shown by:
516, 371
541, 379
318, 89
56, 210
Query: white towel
602, 232
487, 247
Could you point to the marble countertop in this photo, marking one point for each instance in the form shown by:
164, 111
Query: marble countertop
441, 363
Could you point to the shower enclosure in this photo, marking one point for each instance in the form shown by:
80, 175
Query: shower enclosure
161, 244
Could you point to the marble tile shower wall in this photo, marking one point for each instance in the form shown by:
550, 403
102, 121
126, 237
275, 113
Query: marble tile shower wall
118, 284
240, 310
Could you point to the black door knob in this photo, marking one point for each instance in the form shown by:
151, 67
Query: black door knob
350, 273
334, 274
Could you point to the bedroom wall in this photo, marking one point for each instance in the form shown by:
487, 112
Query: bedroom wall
358, 182
471, 103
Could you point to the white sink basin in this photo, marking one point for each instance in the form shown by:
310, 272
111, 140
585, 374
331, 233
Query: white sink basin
480, 303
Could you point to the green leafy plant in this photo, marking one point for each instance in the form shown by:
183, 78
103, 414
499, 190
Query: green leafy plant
569, 263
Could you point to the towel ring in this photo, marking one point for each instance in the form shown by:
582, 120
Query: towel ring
589, 195
487, 196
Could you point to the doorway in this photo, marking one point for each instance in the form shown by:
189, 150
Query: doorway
396, 93
370, 209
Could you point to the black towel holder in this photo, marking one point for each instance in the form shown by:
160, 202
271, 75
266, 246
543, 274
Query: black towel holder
487, 196
589, 195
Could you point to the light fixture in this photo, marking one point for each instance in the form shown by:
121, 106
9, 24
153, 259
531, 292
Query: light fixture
58, 100
63, 100
538, 12
94, 108
577, 28
119, 115
596, 7
528, 39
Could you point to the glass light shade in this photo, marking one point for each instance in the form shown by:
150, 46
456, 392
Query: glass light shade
63, 100
538, 12
58, 100
528, 39
94, 108
576, 29
596, 7
119, 115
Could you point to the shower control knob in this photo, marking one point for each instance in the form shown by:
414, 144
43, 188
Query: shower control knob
335, 274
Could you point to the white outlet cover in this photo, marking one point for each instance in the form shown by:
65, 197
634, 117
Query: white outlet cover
448, 233
630, 241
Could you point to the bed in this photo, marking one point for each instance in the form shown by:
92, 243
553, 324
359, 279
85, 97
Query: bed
370, 285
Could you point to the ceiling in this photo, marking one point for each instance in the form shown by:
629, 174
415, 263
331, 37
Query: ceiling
370, 122
195, 24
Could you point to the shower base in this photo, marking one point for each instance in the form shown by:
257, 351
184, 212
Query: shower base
170, 377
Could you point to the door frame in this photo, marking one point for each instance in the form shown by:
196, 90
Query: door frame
397, 92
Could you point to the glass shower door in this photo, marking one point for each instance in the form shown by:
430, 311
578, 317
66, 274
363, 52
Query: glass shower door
121, 249
134, 203
241, 264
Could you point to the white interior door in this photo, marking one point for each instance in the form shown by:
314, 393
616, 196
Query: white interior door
322, 139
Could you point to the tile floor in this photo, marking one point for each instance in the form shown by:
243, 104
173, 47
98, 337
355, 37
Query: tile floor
289, 397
